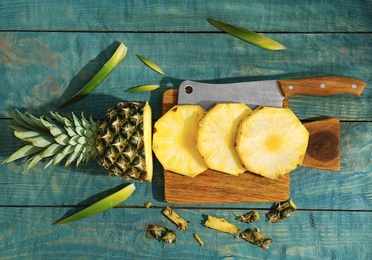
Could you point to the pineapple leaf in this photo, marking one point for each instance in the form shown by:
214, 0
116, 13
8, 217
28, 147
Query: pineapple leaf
101, 205
23, 152
150, 64
116, 58
248, 36
143, 88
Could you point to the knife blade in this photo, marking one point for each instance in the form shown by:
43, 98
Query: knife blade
266, 93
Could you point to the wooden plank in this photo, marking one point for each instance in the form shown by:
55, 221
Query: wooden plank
349, 189
164, 15
217, 187
58, 64
121, 233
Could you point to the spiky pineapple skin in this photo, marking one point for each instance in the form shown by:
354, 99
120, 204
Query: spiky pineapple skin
120, 141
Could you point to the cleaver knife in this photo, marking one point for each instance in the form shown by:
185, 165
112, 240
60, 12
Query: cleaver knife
266, 93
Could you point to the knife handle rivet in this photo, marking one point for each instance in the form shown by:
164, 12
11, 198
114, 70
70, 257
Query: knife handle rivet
290, 87
354, 86
322, 85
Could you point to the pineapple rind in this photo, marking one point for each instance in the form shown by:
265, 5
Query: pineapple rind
217, 134
123, 141
174, 140
258, 131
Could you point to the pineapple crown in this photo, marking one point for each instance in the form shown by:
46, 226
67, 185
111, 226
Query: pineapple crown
54, 137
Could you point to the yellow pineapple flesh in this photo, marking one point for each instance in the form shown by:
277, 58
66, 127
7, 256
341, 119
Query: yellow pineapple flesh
217, 134
174, 140
271, 141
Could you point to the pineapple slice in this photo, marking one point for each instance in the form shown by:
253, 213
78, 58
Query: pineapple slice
271, 141
174, 140
217, 134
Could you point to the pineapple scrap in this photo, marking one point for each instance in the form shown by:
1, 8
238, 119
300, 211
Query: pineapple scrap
197, 238
221, 224
282, 211
148, 204
162, 234
173, 216
255, 237
249, 217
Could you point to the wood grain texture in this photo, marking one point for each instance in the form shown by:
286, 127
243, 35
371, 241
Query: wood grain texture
49, 49
323, 150
174, 15
349, 189
121, 233
322, 86
57, 64
218, 187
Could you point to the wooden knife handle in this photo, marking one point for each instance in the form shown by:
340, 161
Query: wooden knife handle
322, 86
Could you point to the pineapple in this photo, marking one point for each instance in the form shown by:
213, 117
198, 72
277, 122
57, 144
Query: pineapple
217, 134
271, 141
121, 143
174, 140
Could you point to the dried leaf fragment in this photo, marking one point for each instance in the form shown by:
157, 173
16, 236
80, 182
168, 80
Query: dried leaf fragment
249, 217
248, 36
255, 237
174, 217
221, 224
162, 234
284, 210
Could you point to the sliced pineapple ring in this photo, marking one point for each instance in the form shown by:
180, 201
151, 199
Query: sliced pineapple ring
174, 140
271, 141
217, 134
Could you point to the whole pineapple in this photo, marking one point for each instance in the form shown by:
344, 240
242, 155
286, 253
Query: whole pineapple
121, 143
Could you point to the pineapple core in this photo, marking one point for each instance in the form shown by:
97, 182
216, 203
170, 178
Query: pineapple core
271, 141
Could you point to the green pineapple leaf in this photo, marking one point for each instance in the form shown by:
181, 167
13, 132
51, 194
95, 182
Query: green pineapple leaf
116, 58
248, 36
101, 205
143, 88
150, 64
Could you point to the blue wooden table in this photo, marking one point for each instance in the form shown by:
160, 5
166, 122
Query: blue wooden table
50, 48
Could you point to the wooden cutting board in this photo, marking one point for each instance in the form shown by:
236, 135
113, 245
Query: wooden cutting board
211, 186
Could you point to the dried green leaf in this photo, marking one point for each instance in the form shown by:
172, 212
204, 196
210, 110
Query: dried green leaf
150, 64
116, 58
101, 205
248, 36
143, 88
